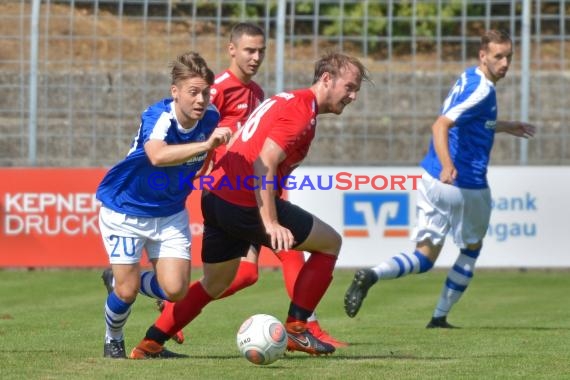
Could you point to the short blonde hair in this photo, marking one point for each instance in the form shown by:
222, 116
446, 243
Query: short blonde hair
191, 65
334, 62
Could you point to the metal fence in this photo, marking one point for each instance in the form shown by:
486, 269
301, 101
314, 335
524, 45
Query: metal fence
72, 93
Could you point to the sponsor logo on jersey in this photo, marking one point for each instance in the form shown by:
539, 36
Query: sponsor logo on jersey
490, 124
197, 158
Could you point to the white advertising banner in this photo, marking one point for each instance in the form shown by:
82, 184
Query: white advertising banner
373, 208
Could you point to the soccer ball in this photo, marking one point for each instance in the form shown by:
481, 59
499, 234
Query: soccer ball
262, 339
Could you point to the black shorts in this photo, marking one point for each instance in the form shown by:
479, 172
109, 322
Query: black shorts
230, 229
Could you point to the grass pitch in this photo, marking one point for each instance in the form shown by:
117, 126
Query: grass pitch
515, 324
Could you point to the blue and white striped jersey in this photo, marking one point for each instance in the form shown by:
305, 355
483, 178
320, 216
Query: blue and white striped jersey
135, 187
472, 105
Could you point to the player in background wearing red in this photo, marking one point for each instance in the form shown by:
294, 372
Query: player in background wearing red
274, 140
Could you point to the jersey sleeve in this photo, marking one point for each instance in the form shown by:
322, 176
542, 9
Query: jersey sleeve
465, 98
155, 127
291, 123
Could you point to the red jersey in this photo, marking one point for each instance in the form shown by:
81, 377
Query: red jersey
289, 119
234, 99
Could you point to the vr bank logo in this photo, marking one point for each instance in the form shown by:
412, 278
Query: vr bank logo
376, 214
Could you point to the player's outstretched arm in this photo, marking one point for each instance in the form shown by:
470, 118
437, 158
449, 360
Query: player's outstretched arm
162, 154
516, 128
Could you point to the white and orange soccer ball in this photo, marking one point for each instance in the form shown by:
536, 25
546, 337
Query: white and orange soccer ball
262, 339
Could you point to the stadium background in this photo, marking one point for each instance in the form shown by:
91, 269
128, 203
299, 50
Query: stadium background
101, 62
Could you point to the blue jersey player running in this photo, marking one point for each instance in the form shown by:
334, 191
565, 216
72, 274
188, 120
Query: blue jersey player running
143, 196
453, 194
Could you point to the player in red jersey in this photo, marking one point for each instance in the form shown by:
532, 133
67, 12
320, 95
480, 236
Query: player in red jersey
236, 95
274, 140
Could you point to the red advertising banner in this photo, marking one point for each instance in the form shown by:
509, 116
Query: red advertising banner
49, 218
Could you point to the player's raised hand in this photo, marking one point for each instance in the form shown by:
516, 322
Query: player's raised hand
220, 136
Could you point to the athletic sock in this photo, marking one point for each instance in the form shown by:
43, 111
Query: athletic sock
458, 278
311, 285
116, 313
312, 317
150, 287
402, 265
247, 275
177, 315
291, 263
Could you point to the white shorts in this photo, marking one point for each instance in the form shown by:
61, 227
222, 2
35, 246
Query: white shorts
125, 236
442, 208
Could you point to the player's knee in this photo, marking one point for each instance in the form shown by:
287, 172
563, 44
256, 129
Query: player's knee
177, 296
126, 293
175, 293
215, 287
329, 240
336, 242
323, 238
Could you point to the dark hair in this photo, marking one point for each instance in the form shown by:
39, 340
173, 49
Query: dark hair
496, 36
334, 62
191, 65
246, 28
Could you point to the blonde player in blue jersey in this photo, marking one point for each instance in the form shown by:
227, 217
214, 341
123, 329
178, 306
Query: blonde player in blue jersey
144, 196
453, 194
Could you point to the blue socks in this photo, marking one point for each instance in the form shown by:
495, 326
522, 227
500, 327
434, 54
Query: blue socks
116, 314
